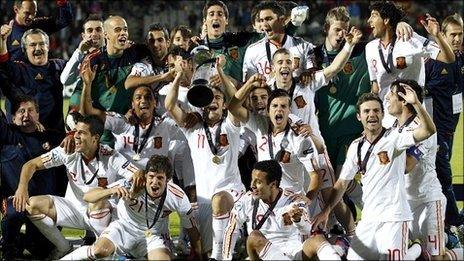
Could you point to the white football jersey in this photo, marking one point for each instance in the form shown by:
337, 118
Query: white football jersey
383, 185
143, 69
422, 184
182, 98
158, 141
277, 228
301, 152
211, 177
107, 168
133, 211
256, 59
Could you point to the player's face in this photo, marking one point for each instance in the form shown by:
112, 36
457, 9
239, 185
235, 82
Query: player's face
214, 111
216, 21
454, 36
84, 140
156, 184
93, 30
395, 106
143, 102
371, 115
335, 33
282, 67
279, 110
181, 41
260, 187
271, 23
258, 100
377, 24
26, 115
37, 49
117, 33
25, 13
172, 60
158, 44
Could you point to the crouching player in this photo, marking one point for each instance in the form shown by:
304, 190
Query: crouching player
142, 229
275, 219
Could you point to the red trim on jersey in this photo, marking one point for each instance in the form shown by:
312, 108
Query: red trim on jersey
4, 57
175, 191
229, 235
265, 249
99, 214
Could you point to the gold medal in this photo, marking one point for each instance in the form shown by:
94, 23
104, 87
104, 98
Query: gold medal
148, 233
136, 157
332, 89
216, 159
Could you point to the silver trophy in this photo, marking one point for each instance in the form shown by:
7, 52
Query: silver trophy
200, 93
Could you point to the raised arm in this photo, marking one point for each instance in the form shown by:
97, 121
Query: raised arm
5, 31
97, 194
135, 80
88, 75
236, 103
21, 196
446, 54
351, 39
173, 93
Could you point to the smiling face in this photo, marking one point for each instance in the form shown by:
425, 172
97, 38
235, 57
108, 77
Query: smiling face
335, 36
84, 140
26, 116
395, 106
37, 49
454, 36
279, 109
143, 103
180, 40
378, 24
260, 187
25, 13
371, 115
282, 67
158, 43
258, 100
93, 30
116, 33
156, 183
214, 111
216, 21
271, 24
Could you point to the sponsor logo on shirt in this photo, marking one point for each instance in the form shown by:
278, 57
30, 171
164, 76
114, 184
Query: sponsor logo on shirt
348, 68
383, 157
233, 53
158, 142
300, 102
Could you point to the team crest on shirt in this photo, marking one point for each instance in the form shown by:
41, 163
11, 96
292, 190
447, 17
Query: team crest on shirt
383, 157
102, 182
287, 219
283, 157
348, 68
296, 63
300, 102
223, 141
73, 175
158, 142
233, 53
401, 62
15, 43
444, 71
38, 77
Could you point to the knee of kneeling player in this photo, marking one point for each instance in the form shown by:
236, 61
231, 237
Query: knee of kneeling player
256, 239
222, 203
35, 206
102, 250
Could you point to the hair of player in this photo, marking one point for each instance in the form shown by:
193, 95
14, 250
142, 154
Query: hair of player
159, 164
277, 93
214, 3
175, 50
92, 17
280, 51
288, 6
275, 7
411, 83
388, 10
18, 99
159, 27
339, 13
33, 31
455, 19
272, 169
254, 15
365, 97
96, 126
184, 31
153, 93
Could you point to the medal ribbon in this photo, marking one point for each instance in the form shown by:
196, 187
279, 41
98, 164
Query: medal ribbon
362, 164
94, 174
266, 215
158, 209
268, 49
408, 121
269, 140
388, 65
214, 148
135, 146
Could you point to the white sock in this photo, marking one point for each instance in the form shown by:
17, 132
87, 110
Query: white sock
454, 254
327, 252
271, 252
413, 252
100, 219
82, 253
219, 225
47, 227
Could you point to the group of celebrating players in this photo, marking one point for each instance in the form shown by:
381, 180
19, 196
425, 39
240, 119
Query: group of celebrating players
296, 138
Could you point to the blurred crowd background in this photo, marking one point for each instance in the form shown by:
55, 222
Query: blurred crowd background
139, 14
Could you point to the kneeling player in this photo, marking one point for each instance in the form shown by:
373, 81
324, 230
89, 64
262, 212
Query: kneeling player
142, 229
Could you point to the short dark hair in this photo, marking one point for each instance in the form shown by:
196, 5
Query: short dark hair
276, 94
414, 85
271, 5
213, 3
96, 126
184, 31
92, 17
18, 99
272, 169
179, 51
153, 93
159, 27
388, 10
368, 96
280, 51
159, 164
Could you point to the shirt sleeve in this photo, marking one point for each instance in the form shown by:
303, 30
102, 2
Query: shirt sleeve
55, 157
404, 140
429, 48
70, 73
307, 154
309, 56
248, 67
115, 122
318, 82
186, 212
141, 70
350, 167
370, 66
122, 166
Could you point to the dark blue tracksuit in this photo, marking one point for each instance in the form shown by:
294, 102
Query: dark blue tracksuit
16, 148
442, 82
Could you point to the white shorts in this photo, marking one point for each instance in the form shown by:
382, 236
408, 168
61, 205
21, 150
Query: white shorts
290, 249
428, 225
379, 241
69, 215
131, 240
182, 162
